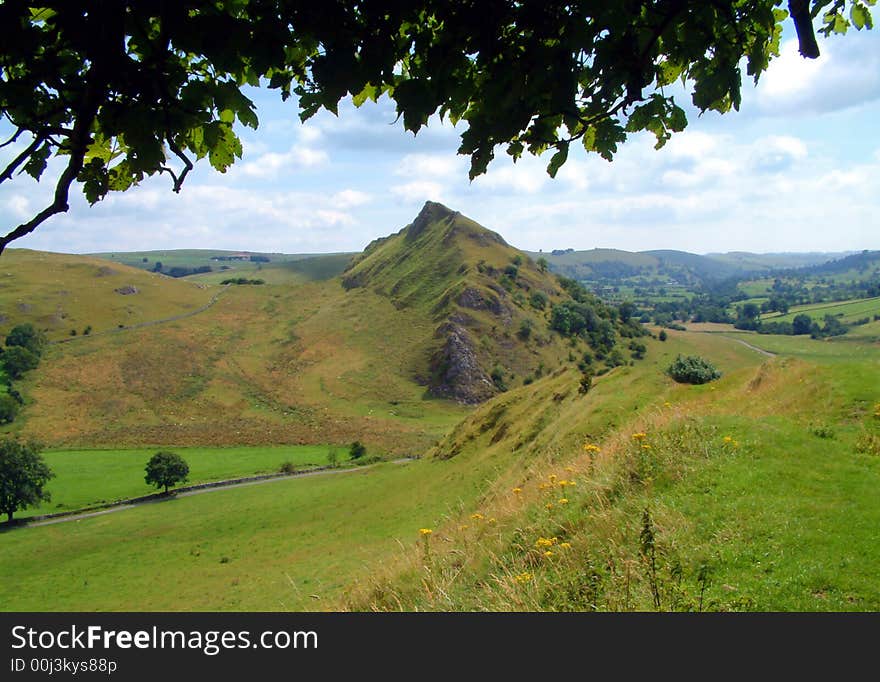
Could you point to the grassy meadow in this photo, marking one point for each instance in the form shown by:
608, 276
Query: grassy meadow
84, 478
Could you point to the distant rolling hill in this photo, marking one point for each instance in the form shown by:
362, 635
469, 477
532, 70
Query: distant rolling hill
685, 268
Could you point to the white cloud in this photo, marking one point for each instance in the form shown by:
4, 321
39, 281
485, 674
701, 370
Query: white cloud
272, 164
846, 74
418, 191
528, 175
350, 198
431, 166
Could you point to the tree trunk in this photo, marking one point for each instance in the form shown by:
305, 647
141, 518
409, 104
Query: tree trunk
9, 517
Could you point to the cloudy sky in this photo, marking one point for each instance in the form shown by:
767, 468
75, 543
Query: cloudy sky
796, 169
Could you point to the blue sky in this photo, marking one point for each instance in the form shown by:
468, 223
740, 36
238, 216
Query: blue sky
796, 169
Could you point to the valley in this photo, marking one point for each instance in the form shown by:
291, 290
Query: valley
548, 440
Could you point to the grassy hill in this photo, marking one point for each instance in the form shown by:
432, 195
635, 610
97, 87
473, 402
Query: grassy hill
61, 293
489, 303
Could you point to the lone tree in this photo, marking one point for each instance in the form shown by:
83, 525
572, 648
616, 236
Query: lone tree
118, 91
23, 474
166, 469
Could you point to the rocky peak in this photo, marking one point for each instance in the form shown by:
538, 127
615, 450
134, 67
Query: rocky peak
431, 212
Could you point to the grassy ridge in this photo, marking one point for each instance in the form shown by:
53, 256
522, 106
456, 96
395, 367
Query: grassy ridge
758, 489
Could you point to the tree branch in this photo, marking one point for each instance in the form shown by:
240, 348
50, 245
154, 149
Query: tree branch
79, 141
18, 160
188, 166
803, 24
13, 138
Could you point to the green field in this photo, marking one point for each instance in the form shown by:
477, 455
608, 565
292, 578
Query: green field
85, 478
292, 544
847, 311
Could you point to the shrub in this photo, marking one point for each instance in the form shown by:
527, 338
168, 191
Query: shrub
27, 336
287, 468
538, 300
692, 369
8, 408
333, 458
586, 382
17, 360
357, 450
662, 335
497, 377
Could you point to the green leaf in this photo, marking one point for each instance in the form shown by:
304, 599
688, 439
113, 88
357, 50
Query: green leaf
558, 159
369, 92
225, 148
36, 164
840, 24
861, 17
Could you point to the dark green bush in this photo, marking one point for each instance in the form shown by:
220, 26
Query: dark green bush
692, 369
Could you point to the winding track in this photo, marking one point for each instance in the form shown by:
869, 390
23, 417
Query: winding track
754, 348
149, 323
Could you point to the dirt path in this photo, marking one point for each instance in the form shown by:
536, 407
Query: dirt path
215, 486
754, 348
150, 323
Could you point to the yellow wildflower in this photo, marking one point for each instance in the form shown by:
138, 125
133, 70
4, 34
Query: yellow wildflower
667, 404
565, 545
463, 526
546, 542
492, 521
563, 500
590, 447
517, 491
477, 517
549, 505
645, 446
522, 578
425, 531
552, 478
640, 435
548, 554
570, 469
728, 439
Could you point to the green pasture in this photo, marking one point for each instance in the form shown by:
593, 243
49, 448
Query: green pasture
84, 478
